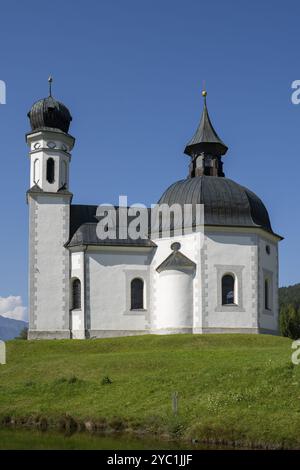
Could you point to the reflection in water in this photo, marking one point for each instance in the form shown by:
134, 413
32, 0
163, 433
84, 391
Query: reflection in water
11, 439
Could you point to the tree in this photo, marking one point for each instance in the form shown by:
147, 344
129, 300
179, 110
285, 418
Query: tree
23, 334
289, 321
289, 295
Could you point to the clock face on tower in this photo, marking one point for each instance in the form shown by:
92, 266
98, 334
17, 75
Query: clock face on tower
64, 147
37, 145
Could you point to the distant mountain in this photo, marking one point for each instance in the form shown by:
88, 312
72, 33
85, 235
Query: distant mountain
290, 295
10, 328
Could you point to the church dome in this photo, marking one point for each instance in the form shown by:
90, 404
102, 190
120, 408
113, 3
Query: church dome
50, 113
226, 203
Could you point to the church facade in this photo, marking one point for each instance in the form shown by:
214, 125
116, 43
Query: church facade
222, 279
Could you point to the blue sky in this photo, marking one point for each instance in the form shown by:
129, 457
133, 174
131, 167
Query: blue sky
131, 73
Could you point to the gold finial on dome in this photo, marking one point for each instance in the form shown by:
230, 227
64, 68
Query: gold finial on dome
204, 93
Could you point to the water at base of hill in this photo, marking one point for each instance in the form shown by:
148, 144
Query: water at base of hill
24, 439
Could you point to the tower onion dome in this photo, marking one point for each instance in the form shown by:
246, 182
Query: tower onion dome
49, 113
205, 140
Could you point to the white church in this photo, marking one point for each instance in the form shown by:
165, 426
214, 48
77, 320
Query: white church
223, 279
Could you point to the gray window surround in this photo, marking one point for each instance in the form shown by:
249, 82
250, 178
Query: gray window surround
133, 310
268, 275
131, 274
237, 271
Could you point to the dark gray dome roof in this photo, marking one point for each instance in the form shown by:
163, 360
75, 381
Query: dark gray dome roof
50, 113
225, 202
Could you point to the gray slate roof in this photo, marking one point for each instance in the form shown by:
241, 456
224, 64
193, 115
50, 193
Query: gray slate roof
83, 224
49, 113
226, 203
176, 261
205, 140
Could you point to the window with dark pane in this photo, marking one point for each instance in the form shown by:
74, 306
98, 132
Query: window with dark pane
267, 295
137, 294
228, 289
76, 294
50, 170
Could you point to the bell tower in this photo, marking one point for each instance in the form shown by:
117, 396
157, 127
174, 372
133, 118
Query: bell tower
49, 144
49, 200
205, 148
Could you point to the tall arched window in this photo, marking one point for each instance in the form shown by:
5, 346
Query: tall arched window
137, 294
64, 173
50, 170
228, 289
36, 171
267, 295
76, 294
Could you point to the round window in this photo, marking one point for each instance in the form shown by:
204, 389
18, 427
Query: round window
175, 246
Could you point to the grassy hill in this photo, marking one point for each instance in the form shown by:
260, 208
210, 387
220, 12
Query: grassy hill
240, 389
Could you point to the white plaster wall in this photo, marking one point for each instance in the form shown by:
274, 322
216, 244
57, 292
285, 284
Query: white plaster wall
108, 283
51, 264
35, 170
77, 324
227, 250
61, 172
190, 247
268, 264
46, 144
78, 315
39, 140
175, 300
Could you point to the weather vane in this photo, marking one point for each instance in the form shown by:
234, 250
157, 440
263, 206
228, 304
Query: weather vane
50, 80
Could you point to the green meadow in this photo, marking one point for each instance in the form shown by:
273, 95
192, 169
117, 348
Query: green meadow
240, 390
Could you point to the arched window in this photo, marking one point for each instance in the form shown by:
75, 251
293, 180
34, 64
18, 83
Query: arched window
228, 289
50, 170
76, 294
36, 171
137, 294
267, 295
64, 173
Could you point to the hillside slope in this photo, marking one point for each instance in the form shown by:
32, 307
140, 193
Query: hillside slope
240, 389
10, 328
289, 295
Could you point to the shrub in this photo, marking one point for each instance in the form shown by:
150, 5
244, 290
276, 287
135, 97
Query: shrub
29, 383
73, 379
23, 334
61, 380
117, 424
289, 321
106, 381
175, 426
